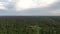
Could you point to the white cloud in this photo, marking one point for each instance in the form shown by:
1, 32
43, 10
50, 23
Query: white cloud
56, 12
2, 7
9, 0
6, 5
12, 1
26, 4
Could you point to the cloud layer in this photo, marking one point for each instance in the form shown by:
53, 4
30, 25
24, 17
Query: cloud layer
26, 4
29, 8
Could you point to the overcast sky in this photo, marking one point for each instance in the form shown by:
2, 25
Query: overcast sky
30, 7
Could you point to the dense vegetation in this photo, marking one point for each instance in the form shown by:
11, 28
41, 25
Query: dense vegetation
29, 25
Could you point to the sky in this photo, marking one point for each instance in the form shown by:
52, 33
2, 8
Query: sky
29, 7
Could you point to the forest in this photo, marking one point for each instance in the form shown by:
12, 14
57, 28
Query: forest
29, 24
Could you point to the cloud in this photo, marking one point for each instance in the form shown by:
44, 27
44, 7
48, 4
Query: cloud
10, 4
2, 7
51, 9
27, 4
3, 0
56, 12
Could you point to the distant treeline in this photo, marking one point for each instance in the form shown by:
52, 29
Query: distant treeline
29, 25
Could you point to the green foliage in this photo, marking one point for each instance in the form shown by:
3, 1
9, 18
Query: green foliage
41, 25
